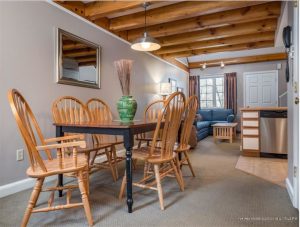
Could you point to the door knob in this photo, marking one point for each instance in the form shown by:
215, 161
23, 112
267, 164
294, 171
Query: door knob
296, 100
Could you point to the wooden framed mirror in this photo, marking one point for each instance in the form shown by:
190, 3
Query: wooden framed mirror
78, 61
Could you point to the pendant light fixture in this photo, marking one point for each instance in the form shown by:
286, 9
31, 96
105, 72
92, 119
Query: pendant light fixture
146, 42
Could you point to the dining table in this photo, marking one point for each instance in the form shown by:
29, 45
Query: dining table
127, 130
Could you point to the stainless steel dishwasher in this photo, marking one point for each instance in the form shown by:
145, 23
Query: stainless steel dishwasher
273, 132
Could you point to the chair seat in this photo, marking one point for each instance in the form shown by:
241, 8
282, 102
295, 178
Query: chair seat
52, 167
143, 154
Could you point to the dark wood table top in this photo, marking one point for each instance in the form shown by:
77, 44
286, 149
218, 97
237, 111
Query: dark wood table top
112, 124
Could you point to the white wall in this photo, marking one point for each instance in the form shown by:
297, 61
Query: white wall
27, 62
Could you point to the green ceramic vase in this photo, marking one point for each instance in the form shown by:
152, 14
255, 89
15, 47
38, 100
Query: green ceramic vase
127, 108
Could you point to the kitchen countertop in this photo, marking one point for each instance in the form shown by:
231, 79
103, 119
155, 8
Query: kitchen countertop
263, 108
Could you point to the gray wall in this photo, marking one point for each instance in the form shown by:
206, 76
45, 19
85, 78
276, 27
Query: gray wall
27, 58
240, 69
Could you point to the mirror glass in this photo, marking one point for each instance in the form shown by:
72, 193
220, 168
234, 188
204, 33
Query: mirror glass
78, 61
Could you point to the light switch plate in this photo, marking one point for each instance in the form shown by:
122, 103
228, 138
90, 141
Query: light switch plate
20, 154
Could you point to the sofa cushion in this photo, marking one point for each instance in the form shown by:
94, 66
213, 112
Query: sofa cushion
220, 114
202, 135
203, 130
206, 114
202, 124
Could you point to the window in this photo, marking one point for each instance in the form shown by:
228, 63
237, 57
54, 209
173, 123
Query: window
212, 92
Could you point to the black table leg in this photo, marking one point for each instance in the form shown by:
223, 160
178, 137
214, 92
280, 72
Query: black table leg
128, 143
59, 133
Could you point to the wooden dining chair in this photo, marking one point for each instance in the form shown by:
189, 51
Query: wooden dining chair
169, 121
70, 110
100, 113
184, 147
53, 165
151, 113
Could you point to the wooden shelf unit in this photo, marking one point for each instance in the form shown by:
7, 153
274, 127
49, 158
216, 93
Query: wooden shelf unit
250, 133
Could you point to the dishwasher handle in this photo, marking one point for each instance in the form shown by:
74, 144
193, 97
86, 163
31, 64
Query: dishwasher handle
273, 114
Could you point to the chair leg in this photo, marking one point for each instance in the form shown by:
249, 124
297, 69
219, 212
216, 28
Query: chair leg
177, 176
92, 162
32, 201
113, 172
189, 162
123, 185
178, 164
87, 175
86, 178
159, 188
115, 163
146, 169
85, 199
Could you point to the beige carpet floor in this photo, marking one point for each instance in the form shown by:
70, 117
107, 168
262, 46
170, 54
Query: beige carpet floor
219, 195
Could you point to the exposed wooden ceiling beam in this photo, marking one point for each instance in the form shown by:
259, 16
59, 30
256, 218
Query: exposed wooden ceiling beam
173, 12
180, 65
102, 22
75, 6
256, 37
245, 46
220, 32
185, 28
242, 15
239, 60
98, 9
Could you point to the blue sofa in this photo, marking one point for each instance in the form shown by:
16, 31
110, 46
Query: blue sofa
208, 118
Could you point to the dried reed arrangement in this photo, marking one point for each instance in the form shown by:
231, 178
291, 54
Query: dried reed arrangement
123, 68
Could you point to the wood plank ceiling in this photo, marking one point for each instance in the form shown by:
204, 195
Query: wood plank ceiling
187, 28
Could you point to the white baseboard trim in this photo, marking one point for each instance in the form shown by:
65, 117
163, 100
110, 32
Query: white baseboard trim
290, 190
21, 185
